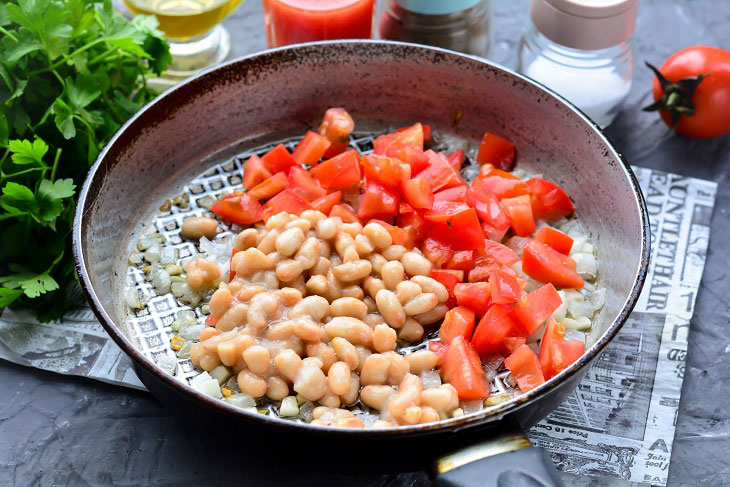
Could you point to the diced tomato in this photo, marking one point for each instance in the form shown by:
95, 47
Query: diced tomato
500, 183
548, 200
497, 255
399, 235
525, 368
346, 212
269, 188
437, 252
404, 208
544, 264
452, 194
387, 171
449, 280
409, 136
326, 202
493, 233
340, 172
555, 239
413, 223
504, 287
457, 272
381, 144
513, 343
463, 370
239, 208
232, 271
278, 159
494, 256
411, 156
443, 211
534, 308
288, 201
440, 349
491, 212
498, 323
336, 126
554, 332
303, 183
456, 160
426, 133
378, 202
254, 172
311, 148
460, 229
458, 321
565, 352
520, 214
439, 172
496, 151
474, 295
462, 260
335, 149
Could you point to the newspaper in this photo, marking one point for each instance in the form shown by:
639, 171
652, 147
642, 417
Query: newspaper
619, 424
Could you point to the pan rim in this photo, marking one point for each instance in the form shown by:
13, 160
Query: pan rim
493, 414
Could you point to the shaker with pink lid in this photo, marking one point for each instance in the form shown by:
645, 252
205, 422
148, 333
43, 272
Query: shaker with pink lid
581, 49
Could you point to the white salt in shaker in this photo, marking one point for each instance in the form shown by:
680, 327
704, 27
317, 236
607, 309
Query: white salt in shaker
580, 49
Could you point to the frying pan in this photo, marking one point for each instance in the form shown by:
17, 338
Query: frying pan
282, 92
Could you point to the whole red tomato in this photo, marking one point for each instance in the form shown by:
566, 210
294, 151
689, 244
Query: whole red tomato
694, 94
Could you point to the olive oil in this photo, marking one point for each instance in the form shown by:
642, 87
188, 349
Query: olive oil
184, 19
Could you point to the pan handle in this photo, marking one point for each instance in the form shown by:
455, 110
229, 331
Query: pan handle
505, 460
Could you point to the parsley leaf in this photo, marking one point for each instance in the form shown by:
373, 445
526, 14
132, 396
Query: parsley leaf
27, 152
71, 73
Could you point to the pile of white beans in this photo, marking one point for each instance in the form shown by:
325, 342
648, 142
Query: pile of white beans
318, 307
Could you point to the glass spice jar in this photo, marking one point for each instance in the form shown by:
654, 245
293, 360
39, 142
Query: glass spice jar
459, 25
581, 50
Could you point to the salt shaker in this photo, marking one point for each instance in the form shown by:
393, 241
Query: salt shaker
581, 49
460, 25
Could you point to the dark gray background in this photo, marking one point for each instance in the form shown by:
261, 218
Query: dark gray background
57, 430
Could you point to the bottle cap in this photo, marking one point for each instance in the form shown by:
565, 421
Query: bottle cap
436, 7
585, 24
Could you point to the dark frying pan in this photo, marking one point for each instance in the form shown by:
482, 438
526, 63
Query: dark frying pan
282, 92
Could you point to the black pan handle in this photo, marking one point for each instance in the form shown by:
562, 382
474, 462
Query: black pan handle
506, 460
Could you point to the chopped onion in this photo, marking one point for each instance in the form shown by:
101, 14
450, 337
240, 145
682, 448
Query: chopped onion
585, 265
221, 374
597, 298
578, 308
191, 332
573, 334
305, 411
152, 254
207, 385
457, 413
559, 314
167, 363
179, 289
161, 281
168, 255
135, 258
131, 297
581, 323
232, 384
431, 379
289, 407
472, 406
146, 242
184, 352
187, 316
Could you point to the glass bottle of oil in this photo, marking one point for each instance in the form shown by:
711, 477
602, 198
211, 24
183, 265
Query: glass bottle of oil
197, 40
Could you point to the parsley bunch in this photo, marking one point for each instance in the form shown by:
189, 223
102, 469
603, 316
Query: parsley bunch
71, 73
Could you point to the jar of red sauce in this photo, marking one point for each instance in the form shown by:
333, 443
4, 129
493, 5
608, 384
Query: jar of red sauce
295, 21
